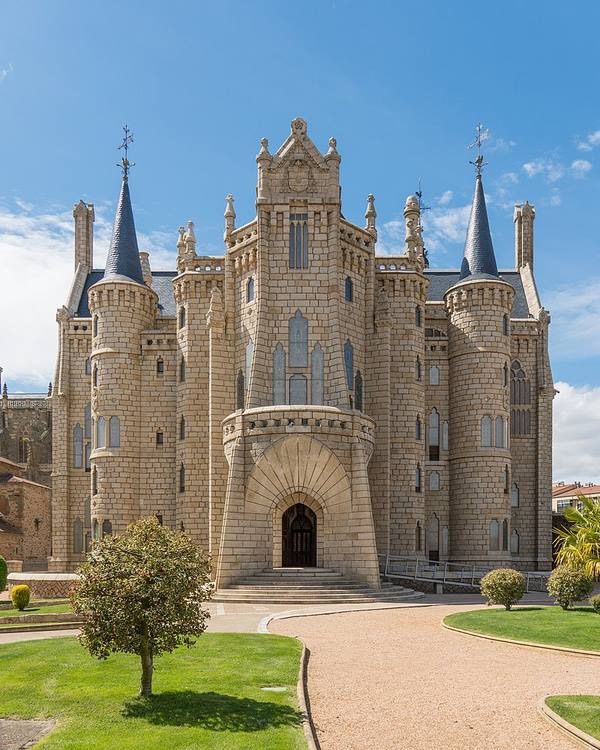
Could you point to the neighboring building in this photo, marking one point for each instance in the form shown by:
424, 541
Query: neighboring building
565, 495
25, 516
302, 401
26, 432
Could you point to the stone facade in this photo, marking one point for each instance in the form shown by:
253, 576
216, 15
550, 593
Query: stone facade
300, 376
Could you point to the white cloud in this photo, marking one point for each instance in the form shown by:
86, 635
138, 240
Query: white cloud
576, 430
575, 329
445, 198
580, 167
36, 258
551, 170
508, 178
590, 141
555, 198
501, 145
5, 72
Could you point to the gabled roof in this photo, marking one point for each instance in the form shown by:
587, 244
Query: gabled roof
123, 261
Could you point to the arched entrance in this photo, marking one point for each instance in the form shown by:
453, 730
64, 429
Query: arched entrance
299, 537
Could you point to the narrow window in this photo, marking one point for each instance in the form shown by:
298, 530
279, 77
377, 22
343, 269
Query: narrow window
298, 389
87, 421
182, 478
505, 325
358, 391
418, 369
505, 375
434, 480
500, 442
279, 370
418, 478
182, 316
505, 535
348, 290
240, 391
418, 430
250, 290
514, 542
94, 481
87, 512
434, 375
95, 375
159, 518
349, 363
95, 325
418, 316
182, 428
77, 536
160, 438
418, 536
298, 340
494, 536
514, 495
114, 432
87, 453
160, 366
434, 435
182, 370
486, 432
445, 436
506, 479
101, 433
249, 358
106, 528
445, 539
88, 366
96, 530
77, 447
298, 241
317, 374
23, 450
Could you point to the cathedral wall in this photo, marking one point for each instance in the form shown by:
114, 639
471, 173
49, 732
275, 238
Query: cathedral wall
28, 420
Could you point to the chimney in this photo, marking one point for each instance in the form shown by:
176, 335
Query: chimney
84, 235
524, 217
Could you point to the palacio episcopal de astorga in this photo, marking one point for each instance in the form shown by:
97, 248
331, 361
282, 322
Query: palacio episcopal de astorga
301, 401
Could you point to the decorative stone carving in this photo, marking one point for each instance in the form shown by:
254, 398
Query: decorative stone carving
298, 175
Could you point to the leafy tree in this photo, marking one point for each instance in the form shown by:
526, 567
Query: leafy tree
578, 546
142, 593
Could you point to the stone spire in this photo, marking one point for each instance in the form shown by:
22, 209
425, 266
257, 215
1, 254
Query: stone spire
479, 260
123, 261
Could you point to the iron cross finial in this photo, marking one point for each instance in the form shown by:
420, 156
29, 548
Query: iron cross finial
482, 135
125, 164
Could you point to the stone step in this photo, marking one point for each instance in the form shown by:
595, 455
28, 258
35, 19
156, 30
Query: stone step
297, 588
320, 597
258, 581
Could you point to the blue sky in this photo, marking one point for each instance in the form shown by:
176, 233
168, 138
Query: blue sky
400, 85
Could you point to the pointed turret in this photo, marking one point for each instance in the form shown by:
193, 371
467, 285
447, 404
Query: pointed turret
479, 260
123, 261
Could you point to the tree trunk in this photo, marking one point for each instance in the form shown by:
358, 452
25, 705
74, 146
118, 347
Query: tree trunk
147, 664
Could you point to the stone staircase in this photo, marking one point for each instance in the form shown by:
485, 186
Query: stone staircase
308, 586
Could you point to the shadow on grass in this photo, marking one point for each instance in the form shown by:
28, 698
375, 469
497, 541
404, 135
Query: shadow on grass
213, 711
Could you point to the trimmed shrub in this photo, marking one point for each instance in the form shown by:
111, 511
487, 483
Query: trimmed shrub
20, 596
595, 602
3, 573
503, 586
568, 585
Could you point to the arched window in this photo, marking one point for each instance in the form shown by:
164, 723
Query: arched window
160, 366
114, 432
486, 432
88, 366
514, 495
434, 375
23, 450
240, 391
77, 447
248, 360
505, 325
101, 433
95, 375
505, 535
77, 536
520, 389
445, 435
349, 363
500, 441
95, 325
182, 478
106, 528
418, 536
182, 316
87, 421
182, 369
433, 537
96, 530
182, 428
418, 316
94, 480
348, 290
298, 240
298, 340
279, 374
434, 435
514, 542
434, 480
250, 289
494, 536
418, 369
505, 375
418, 478
418, 428
506, 479
87, 452
358, 391
298, 389
317, 374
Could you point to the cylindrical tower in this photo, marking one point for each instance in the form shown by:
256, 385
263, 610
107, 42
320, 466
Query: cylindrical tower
478, 308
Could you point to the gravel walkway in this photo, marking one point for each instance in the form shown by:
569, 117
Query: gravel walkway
397, 680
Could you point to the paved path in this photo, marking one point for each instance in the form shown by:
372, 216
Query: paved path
397, 680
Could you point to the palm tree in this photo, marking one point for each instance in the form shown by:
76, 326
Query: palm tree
579, 545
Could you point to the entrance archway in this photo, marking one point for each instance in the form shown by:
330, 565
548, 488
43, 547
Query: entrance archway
299, 537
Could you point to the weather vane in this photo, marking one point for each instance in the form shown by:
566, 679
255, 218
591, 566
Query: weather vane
482, 135
125, 164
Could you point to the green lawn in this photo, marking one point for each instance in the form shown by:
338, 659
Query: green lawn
206, 697
583, 711
33, 609
574, 628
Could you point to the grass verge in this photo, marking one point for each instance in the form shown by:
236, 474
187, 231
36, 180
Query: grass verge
574, 628
583, 711
33, 609
209, 696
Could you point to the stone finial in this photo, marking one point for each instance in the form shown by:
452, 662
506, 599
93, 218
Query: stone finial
263, 154
371, 213
146, 271
299, 127
190, 239
49, 389
181, 240
215, 317
229, 216
4, 391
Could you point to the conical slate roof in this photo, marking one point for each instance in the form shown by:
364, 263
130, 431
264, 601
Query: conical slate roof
123, 261
479, 260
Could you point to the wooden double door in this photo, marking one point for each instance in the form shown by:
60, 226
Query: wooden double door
299, 537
